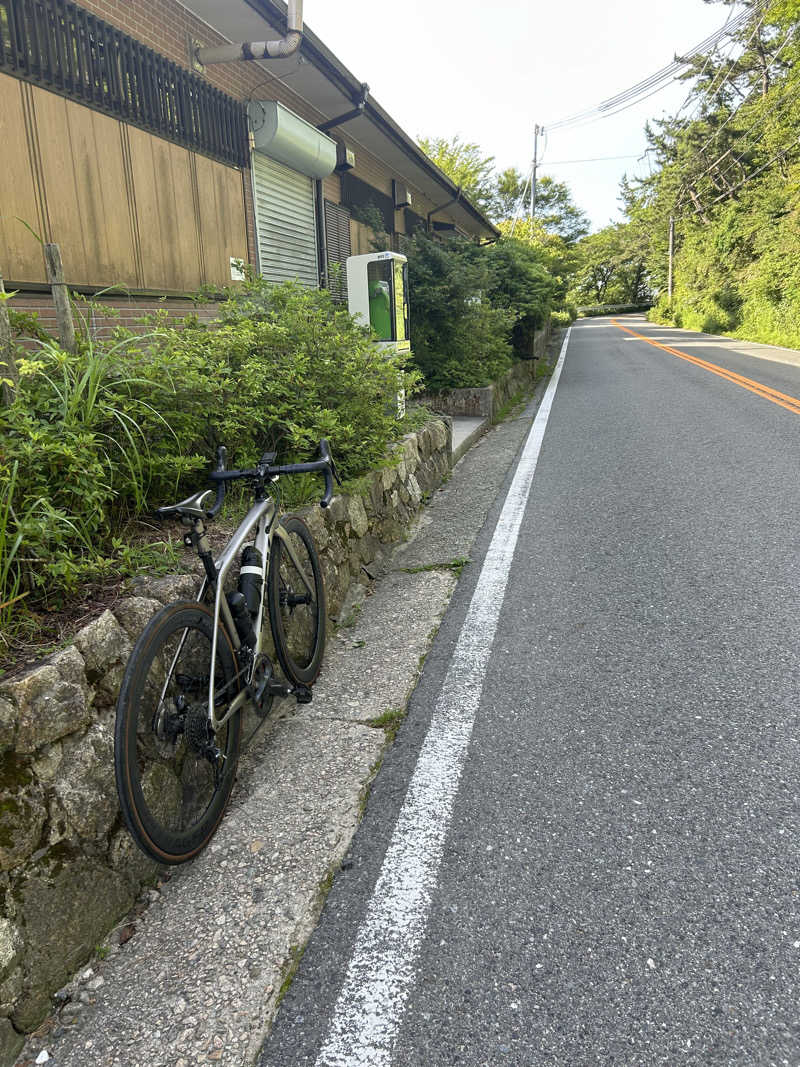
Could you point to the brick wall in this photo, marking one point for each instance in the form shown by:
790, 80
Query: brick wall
122, 311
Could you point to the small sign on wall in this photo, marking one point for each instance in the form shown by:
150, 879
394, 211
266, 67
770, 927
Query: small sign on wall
237, 269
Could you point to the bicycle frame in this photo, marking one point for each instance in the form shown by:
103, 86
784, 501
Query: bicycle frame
260, 517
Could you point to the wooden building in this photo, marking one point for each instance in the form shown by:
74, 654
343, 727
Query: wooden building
158, 176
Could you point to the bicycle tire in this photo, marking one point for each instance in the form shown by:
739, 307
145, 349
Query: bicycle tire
298, 629
172, 792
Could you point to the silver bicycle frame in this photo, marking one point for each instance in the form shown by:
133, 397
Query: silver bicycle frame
261, 516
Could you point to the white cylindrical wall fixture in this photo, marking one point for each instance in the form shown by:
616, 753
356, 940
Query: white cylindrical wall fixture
285, 137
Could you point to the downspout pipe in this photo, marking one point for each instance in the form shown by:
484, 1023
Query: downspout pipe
282, 49
322, 234
441, 207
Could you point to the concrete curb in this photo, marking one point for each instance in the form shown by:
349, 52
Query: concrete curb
467, 442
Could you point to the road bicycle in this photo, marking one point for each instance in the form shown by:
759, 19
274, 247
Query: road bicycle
199, 664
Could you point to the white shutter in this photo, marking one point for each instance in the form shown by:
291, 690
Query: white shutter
286, 224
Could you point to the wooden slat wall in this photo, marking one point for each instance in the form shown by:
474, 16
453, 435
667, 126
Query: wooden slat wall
20, 253
221, 216
127, 208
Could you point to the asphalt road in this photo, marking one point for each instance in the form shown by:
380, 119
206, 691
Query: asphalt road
618, 877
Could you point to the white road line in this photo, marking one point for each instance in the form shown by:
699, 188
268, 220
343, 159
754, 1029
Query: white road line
370, 1007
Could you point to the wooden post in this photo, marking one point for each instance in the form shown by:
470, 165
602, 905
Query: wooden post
8, 365
55, 276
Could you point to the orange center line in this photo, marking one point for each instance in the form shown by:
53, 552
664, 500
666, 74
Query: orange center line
791, 403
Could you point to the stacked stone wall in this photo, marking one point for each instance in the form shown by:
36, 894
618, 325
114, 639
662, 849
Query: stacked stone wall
68, 869
487, 401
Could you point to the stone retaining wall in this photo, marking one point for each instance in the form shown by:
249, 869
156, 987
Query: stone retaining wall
487, 401
68, 869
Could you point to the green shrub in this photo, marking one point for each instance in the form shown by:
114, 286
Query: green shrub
459, 339
521, 285
559, 320
98, 436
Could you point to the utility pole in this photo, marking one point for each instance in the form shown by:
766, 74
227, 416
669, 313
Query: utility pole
671, 257
536, 132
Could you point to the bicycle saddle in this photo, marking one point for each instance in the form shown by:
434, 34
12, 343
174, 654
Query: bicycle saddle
191, 507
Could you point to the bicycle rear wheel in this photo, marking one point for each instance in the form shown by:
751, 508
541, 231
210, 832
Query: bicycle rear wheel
174, 776
296, 601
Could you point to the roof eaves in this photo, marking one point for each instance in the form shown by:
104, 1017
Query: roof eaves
319, 54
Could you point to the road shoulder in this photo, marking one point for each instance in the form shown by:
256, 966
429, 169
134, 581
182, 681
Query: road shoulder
215, 945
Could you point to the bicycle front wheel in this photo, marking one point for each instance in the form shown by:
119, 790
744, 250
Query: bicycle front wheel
296, 601
174, 775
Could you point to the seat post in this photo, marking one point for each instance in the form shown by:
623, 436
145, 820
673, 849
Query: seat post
201, 546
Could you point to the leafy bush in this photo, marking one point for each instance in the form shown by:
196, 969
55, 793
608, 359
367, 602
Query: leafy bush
459, 339
559, 320
98, 436
520, 284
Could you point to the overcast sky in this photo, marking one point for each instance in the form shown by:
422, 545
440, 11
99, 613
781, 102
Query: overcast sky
490, 70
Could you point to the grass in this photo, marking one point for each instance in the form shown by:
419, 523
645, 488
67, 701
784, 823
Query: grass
351, 618
512, 403
295, 955
456, 565
389, 722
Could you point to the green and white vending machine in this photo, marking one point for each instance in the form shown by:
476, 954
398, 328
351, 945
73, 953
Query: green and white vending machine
377, 295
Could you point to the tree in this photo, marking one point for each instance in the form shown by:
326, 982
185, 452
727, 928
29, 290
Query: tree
555, 254
459, 338
509, 186
520, 283
555, 208
498, 195
611, 267
464, 164
728, 172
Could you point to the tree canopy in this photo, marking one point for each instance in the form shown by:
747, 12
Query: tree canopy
499, 194
463, 163
727, 170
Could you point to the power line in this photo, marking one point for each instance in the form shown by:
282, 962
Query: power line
736, 111
521, 201
779, 156
705, 65
654, 83
787, 95
594, 159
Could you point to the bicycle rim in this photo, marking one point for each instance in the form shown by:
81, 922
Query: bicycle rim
174, 776
297, 603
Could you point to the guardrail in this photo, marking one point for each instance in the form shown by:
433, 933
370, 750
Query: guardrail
611, 309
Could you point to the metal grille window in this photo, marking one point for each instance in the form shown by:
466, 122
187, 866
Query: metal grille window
62, 47
337, 237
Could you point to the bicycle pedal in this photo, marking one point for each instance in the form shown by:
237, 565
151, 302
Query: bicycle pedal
303, 694
279, 689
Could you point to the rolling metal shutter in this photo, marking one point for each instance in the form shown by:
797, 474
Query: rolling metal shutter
337, 233
286, 224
